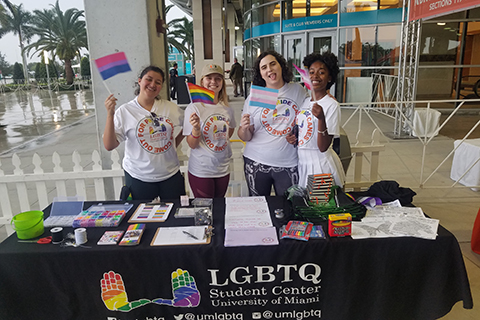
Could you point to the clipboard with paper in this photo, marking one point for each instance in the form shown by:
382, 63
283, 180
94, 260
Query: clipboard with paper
187, 235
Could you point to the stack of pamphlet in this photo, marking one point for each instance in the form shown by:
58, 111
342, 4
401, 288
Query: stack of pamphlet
319, 187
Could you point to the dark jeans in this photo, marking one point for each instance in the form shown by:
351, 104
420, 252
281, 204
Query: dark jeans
173, 92
172, 188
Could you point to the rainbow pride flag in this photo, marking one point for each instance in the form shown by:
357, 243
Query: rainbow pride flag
305, 77
200, 94
112, 64
263, 97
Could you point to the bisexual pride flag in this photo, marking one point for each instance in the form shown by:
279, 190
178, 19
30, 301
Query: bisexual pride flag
112, 64
200, 94
263, 97
305, 77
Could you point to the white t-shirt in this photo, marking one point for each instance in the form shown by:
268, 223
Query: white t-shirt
269, 145
308, 123
310, 159
150, 151
211, 159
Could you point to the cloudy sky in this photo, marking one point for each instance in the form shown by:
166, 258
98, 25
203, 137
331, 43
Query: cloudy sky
9, 45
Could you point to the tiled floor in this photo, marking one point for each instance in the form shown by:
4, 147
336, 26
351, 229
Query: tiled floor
456, 208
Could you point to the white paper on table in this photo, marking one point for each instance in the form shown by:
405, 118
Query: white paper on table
416, 227
180, 235
386, 227
231, 200
247, 221
248, 212
391, 212
394, 203
251, 237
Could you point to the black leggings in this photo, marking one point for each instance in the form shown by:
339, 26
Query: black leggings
261, 177
172, 188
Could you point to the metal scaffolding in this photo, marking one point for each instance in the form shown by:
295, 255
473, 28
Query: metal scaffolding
408, 69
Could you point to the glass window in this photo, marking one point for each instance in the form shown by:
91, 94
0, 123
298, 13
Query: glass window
368, 5
474, 13
264, 15
294, 54
440, 43
303, 8
369, 46
247, 18
452, 16
358, 5
388, 45
260, 45
256, 3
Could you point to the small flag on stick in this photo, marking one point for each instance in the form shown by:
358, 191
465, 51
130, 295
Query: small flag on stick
305, 77
200, 94
112, 64
263, 97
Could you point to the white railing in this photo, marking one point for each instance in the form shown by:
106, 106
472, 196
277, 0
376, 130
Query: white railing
35, 190
23, 191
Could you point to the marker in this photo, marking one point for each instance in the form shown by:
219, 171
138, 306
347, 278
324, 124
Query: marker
190, 235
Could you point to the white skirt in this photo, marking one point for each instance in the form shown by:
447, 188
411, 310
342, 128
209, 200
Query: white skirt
312, 161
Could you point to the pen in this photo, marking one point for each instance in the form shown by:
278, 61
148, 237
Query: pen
190, 235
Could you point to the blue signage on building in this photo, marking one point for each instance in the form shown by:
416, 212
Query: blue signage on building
307, 23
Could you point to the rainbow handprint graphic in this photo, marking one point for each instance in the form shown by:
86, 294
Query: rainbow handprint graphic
114, 295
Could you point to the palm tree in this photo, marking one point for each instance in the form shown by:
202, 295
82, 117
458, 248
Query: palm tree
17, 21
62, 33
182, 29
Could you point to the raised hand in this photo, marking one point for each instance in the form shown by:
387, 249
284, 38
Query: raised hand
114, 295
195, 121
185, 292
245, 121
110, 103
317, 111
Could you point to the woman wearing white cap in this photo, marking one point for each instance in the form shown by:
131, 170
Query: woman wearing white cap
208, 128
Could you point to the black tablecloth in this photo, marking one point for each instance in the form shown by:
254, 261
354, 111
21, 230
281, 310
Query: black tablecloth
341, 278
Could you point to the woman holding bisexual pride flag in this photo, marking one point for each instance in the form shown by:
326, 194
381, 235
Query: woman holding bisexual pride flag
209, 123
319, 122
146, 124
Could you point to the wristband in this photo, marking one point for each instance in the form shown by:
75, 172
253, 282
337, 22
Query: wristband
195, 137
323, 132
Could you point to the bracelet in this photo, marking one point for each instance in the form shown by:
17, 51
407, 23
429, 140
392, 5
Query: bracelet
195, 137
323, 132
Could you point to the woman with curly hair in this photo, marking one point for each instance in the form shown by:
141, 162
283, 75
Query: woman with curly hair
269, 159
318, 122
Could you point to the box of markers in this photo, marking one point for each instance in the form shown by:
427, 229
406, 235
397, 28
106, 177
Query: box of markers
339, 225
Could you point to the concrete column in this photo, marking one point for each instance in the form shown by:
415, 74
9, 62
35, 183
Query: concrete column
114, 26
231, 34
215, 34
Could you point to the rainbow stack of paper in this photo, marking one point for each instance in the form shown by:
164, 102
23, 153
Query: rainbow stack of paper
319, 187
